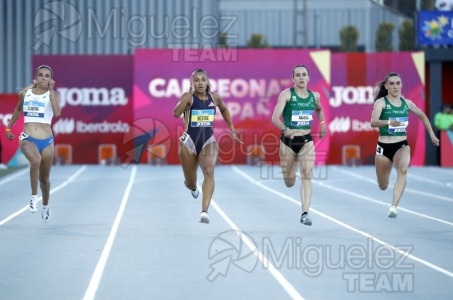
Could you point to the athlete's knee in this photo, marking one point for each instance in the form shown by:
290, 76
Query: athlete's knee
305, 174
35, 162
208, 169
209, 173
190, 186
44, 181
289, 182
402, 170
383, 185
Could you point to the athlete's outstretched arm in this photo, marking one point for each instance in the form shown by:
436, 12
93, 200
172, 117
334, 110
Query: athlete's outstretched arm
54, 99
320, 115
422, 116
226, 115
16, 114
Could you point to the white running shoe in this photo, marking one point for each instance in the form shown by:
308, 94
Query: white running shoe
46, 213
195, 193
392, 212
305, 219
204, 218
33, 207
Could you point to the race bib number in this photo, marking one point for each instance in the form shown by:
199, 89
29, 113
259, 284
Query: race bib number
404, 121
379, 150
184, 137
202, 118
302, 117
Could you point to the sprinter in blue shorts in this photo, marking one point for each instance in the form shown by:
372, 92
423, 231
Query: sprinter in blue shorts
198, 144
39, 104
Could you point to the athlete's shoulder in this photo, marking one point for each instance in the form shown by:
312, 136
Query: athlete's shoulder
406, 100
215, 97
286, 93
379, 102
410, 104
315, 93
24, 92
185, 94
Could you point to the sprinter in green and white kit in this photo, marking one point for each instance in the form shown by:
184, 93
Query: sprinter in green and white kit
391, 116
296, 106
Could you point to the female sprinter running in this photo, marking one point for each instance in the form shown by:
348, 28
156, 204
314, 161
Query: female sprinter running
198, 144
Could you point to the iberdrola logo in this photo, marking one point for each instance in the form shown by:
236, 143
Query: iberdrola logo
433, 29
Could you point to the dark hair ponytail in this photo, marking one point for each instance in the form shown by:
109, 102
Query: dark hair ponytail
380, 90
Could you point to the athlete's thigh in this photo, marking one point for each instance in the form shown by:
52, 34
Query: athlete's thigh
306, 158
208, 156
383, 167
402, 158
288, 160
189, 161
46, 160
30, 150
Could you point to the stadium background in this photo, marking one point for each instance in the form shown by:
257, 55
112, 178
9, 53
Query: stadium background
120, 67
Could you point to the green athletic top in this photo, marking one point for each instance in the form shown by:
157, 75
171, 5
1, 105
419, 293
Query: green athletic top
393, 113
298, 112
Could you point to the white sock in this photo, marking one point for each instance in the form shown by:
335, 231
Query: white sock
44, 207
34, 197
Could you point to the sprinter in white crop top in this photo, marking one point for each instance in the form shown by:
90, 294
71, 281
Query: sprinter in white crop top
38, 103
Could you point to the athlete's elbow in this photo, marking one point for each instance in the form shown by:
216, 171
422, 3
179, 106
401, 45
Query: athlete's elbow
176, 114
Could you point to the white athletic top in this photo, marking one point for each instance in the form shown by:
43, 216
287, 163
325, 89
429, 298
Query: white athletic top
37, 108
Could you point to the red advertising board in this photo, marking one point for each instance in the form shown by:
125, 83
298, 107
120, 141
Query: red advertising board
96, 99
446, 148
354, 75
248, 80
9, 148
100, 118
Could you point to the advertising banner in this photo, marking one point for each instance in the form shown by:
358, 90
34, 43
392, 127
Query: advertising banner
446, 148
354, 76
248, 80
435, 28
10, 153
96, 100
100, 118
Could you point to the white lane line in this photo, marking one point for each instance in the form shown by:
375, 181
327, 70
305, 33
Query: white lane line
429, 195
292, 292
431, 181
65, 183
13, 176
92, 288
396, 249
441, 170
325, 185
369, 199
